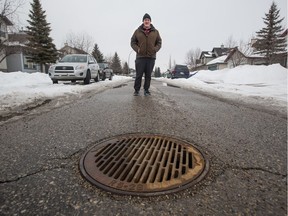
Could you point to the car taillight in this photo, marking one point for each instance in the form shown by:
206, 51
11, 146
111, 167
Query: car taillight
174, 72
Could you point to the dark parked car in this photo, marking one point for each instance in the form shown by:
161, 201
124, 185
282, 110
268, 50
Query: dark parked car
105, 71
179, 71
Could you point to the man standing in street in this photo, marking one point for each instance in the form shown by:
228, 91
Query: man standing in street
146, 42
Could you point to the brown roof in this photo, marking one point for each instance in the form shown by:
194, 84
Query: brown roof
76, 50
18, 37
220, 51
235, 49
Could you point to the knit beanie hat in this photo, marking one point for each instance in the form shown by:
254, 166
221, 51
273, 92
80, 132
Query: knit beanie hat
146, 16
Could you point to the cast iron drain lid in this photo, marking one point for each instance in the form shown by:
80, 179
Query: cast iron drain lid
144, 165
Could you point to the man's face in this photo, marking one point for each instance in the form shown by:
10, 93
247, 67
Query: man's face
147, 23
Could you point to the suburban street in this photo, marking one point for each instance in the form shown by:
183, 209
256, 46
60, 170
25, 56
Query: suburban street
246, 146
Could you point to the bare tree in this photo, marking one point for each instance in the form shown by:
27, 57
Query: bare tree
81, 41
192, 56
9, 8
245, 47
230, 42
241, 51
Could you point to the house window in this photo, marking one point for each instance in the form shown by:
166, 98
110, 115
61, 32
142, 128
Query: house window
212, 67
28, 64
2, 31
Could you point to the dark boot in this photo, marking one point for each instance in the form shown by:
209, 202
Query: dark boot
147, 92
136, 93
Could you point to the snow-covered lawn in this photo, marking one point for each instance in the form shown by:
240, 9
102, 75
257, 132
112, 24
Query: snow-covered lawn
19, 88
258, 82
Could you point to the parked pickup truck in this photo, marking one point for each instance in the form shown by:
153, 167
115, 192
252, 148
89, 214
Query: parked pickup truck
105, 71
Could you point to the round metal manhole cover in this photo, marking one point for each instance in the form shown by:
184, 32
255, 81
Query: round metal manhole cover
144, 165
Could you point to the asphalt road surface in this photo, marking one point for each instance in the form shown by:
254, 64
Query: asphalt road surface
246, 147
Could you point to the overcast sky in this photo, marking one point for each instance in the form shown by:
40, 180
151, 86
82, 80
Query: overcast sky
183, 24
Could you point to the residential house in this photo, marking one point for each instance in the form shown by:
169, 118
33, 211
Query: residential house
217, 63
17, 60
205, 57
221, 57
4, 23
236, 58
208, 56
220, 51
70, 50
13, 49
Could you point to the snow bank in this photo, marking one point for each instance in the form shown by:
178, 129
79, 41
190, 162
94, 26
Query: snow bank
256, 81
19, 88
246, 74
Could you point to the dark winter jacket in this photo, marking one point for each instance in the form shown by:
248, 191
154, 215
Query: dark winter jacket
146, 44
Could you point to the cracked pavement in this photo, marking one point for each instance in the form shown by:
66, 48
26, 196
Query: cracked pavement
246, 147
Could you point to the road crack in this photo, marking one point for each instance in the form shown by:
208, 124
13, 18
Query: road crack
257, 169
33, 173
55, 167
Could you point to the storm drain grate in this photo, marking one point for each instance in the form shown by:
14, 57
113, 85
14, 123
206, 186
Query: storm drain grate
142, 164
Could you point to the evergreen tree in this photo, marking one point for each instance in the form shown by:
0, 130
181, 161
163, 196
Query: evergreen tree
97, 54
43, 49
157, 72
269, 40
125, 68
116, 64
